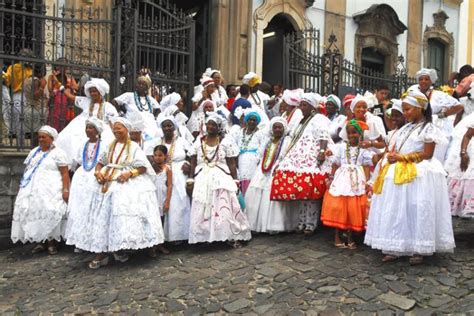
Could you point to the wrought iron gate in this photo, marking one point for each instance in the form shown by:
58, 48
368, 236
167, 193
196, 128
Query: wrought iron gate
113, 43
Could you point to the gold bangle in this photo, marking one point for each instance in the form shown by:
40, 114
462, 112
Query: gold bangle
134, 173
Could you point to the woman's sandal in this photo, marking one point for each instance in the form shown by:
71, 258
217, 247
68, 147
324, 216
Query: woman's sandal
235, 244
38, 248
352, 246
96, 264
416, 260
389, 258
52, 250
341, 245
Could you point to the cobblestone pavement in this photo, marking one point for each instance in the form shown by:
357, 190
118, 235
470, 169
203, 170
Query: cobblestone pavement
280, 274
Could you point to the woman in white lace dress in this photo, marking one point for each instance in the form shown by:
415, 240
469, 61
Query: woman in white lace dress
40, 206
124, 209
73, 136
83, 181
215, 213
301, 175
409, 214
265, 215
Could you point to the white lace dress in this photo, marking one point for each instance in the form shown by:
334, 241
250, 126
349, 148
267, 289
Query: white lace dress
126, 216
145, 106
81, 190
461, 184
73, 136
40, 211
413, 218
215, 211
263, 214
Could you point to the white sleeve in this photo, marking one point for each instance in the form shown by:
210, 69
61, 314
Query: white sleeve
83, 103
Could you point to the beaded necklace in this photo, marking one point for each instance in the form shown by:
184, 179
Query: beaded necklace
253, 97
206, 159
26, 179
246, 141
271, 155
354, 176
110, 171
169, 158
94, 156
100, 111
141, 106
299, 131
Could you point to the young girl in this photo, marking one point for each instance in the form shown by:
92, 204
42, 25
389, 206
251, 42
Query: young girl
345, 204
164, 187
409, 213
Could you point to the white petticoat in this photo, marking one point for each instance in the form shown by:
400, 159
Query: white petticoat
412, 218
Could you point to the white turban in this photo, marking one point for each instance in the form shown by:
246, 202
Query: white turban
282, 121
397, 105
370, 99
206, 81
427, 72
214, 106
292, 97
171, 110
51, 131
209, 72
163, 118
169, 100
358, 98
98, 124
312, 98
334, 99
415, 98
100, 84
216, 118
123, 121
136, 122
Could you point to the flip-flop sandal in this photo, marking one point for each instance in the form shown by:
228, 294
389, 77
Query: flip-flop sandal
340, 245
38, 248
52, 250
352, 246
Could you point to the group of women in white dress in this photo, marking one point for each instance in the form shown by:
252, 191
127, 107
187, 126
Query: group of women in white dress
144, 174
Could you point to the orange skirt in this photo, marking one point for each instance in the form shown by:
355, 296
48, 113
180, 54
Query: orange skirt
344, 212
294, 186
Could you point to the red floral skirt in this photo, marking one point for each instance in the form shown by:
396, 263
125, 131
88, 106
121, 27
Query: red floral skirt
291, 186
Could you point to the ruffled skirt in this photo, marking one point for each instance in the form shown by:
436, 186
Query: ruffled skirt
344, 212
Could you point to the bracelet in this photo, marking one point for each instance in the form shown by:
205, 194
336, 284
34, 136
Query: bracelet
134, 173
65, 190
322, 151
189, 181
463, 152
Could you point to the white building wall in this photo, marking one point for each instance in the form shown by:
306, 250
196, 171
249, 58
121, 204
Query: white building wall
463, 34
315, 16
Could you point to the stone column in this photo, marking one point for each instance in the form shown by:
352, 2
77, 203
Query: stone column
414, 40
335, 22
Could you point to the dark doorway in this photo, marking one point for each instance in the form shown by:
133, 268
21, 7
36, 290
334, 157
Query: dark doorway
273, 37
373, 60
200, 12
436, 53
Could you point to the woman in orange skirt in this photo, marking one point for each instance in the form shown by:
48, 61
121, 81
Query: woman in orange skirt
345, 203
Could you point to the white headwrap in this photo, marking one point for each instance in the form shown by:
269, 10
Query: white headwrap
169, 100
136, 122
292, 97
279, 119
209, 72
51, 131
206, 81
370, 99
171, 110
214, 106
334, 99
121, 120
312, 98
397, 105
251, 79
415, 98
100, 84
163, 118
216, 118
239, 111
358, 98
427, 72
98, 124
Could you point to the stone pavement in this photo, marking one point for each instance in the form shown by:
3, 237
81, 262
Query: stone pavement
280, 274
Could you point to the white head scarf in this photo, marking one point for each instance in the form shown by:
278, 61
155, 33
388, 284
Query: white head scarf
427, 72
279, 119
163, 118
209, 72
370, 99
397, 105
211, 102
358, 98
207, 81
98, 124
51, 131
136, 122
312, 98
169, 100
216, 118
171, 110
334, 99
100, 84
415, 98
123, 121
292, 97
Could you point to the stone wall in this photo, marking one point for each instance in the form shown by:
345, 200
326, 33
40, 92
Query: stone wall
11, 170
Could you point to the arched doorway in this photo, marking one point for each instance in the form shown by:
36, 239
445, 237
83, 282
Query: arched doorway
273, 37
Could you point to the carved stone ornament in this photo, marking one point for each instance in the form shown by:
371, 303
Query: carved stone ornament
379, 27
439, 32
